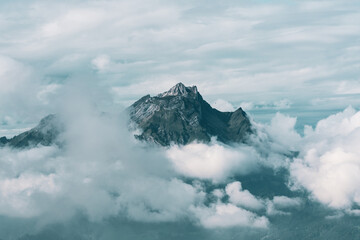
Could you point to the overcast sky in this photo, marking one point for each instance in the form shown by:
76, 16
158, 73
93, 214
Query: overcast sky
259, 55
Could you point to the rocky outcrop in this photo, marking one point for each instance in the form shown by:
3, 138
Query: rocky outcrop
181, 116
45, 133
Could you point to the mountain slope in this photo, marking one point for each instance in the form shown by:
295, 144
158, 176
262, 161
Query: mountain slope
177, 116
45, 133
181, 116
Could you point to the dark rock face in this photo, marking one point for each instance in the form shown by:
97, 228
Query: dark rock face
181, 116
45, 133
3, 141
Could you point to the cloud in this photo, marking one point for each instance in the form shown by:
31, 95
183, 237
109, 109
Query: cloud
16, 193
12, 74
331, 177
281, 129
172, 42
329, 162
101, 62
73, 21
223, 105
276, 105
22, 94
348, 87
229, 215
152, 200
286, 202
282, 104
242, 197
100, 173
221, 161
247, 106
282, 205
46, 91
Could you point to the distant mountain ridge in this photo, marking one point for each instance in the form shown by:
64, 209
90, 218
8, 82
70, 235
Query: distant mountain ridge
177, 116
181, 115
45, 133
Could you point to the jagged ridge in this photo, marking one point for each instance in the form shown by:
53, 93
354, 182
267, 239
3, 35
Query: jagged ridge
178, 116
181, 115
45, 133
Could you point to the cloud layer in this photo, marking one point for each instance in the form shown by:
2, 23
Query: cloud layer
102, 173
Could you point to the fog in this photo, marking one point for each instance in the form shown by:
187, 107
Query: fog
102, 173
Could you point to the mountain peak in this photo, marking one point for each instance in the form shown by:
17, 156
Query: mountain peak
180, 90
180, 115
45, 133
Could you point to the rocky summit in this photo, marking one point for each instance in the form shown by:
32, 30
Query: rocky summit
181, 116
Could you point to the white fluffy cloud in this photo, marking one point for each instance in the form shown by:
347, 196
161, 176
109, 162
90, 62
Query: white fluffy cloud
17, 194
242, 197
228, 215
221, 161
101, 173
282, 130
329, 164
238, 212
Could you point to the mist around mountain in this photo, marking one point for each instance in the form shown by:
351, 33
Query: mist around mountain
82, 174
177, 116
46, 133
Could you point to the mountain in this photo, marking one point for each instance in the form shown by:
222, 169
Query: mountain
45, 133
181, 116
178, 116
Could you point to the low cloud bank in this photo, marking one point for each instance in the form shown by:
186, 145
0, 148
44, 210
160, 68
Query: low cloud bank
329, 162
213, 161
103, 172
325, 161
229, 215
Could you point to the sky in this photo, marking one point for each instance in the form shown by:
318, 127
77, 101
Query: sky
293, 66
298, 57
